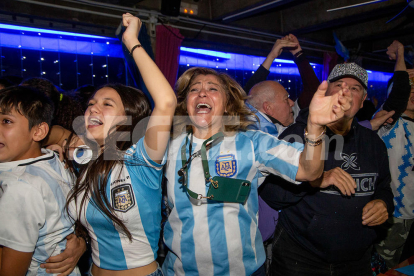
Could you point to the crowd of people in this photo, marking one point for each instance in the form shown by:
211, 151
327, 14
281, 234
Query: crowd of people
252, 183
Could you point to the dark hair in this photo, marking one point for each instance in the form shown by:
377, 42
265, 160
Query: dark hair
94, 177
67, 109
30, 103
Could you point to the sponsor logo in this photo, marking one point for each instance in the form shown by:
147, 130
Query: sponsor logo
349, 161
365, 183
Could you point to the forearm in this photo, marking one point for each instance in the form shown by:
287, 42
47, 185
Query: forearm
159, 88
311, 161
309, 79
400, 93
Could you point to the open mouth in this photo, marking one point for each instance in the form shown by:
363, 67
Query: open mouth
1, 145
203, 108
93, 122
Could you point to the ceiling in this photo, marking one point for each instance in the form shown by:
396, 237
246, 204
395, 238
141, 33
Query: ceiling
242, 26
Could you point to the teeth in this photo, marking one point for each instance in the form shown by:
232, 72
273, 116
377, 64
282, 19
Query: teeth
203, 105
95, 121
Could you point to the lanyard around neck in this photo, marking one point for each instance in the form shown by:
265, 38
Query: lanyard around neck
183, 172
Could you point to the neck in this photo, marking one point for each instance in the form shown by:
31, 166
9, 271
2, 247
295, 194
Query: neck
205, 133
341, 127
409, 113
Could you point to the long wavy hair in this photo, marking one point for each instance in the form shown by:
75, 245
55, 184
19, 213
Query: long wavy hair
93, 178
237, 116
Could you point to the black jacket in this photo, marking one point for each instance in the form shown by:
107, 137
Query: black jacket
325, 222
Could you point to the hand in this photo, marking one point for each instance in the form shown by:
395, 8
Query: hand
58, 149
328, 109
383, 117
279, 45
410, 73
65, 262
338, 178
394, 50
133, 25
374, 213
293, 39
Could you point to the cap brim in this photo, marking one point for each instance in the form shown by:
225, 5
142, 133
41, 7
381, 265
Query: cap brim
349, 76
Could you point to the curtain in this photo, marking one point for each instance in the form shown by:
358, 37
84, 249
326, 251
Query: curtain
167, 51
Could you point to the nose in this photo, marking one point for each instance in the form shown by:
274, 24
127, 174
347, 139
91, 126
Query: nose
291, 103
94, 108
202, 93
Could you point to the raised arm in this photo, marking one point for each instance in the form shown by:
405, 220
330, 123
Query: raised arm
322, 111
158, 129
398, 98
309, 79
263, 71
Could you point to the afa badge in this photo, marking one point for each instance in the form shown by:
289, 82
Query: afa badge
122, 198
226, 165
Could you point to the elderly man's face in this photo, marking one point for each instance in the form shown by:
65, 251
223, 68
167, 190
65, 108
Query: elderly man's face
352, 88
281, 107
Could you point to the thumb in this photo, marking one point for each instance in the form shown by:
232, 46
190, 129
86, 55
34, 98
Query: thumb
367, 207
322, 89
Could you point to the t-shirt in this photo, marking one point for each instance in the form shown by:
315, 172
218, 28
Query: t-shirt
134, 191
32, 208
207, 237
399, 140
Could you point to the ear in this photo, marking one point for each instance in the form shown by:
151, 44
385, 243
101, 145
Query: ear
265, 107
364, 98
40, 132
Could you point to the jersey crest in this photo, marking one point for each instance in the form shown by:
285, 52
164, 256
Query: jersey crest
226, 165
122, 198
349, 161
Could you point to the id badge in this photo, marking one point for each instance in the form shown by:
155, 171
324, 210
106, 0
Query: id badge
229, 190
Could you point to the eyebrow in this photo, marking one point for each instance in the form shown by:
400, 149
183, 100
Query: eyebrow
105, 99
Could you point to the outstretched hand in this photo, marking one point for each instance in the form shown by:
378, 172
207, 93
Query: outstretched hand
281, 44
133, 25
324, 109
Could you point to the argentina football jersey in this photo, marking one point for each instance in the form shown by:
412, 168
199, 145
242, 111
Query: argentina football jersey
208, 237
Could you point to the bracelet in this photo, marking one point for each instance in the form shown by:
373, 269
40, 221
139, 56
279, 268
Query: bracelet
298, 54
314, 142
133, 48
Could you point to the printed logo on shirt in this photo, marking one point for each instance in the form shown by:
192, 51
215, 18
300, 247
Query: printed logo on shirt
349, 161
122, 198
365, 183
226, 165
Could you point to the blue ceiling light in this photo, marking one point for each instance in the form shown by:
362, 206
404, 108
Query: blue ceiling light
206, 52
46, 31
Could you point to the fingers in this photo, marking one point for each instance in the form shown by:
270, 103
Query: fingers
64, 270
374, 213
340, 179
322, 89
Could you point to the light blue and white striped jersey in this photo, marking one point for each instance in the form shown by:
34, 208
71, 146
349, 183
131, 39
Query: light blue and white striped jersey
399, 139
214, 238
134, 191
32, 208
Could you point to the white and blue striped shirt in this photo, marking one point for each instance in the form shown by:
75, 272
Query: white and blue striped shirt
32, 208
134, 191
207, 237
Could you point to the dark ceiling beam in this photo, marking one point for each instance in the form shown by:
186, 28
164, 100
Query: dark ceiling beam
252, 10
352, 19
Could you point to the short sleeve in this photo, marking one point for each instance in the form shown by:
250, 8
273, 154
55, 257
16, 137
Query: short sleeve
22, 215
276, 156
147, 170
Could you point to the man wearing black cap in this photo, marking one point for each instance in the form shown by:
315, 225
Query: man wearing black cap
330, 228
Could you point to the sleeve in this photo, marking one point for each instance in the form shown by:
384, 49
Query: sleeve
309, 79
258, 76
383, 189
22, 215
274, 156
279, 194
147, 170
399, 95
366, 124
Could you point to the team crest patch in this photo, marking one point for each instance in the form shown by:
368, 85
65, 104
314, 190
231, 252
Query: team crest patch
123, 198
226, 165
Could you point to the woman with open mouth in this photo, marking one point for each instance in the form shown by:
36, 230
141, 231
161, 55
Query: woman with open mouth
214, 170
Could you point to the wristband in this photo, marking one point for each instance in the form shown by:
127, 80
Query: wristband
133, 48
298, 54
314, 142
